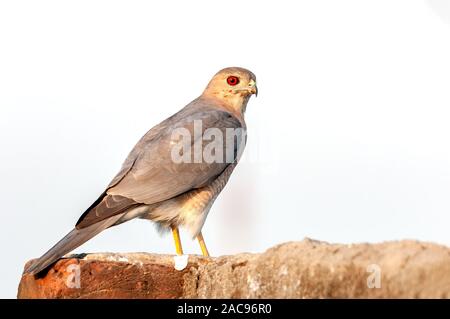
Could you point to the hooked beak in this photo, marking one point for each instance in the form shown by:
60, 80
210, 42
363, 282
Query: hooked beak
253, 89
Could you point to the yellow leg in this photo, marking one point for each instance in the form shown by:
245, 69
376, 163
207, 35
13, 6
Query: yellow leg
176, 238
201, 241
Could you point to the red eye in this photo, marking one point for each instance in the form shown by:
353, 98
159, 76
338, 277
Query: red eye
232, 80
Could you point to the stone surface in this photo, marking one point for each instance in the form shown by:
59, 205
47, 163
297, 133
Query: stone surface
306, 269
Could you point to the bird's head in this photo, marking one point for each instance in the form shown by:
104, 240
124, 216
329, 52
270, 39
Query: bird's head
233, 86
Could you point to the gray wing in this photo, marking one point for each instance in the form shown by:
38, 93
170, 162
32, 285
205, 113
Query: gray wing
104, 207
150, 175
155, 176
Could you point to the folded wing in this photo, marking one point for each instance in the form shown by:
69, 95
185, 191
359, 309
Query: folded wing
150, 175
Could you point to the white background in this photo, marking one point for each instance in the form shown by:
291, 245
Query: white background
348, 140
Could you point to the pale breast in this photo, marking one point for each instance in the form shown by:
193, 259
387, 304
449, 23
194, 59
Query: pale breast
189, 209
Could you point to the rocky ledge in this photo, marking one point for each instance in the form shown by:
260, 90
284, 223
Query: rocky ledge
306, 269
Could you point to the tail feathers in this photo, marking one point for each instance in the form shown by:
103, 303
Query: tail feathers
72, 240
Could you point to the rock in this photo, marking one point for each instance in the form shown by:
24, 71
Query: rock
306, 269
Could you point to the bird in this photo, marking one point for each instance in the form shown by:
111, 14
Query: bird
175, 172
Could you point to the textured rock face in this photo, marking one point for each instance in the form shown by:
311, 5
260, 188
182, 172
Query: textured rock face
306, 269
